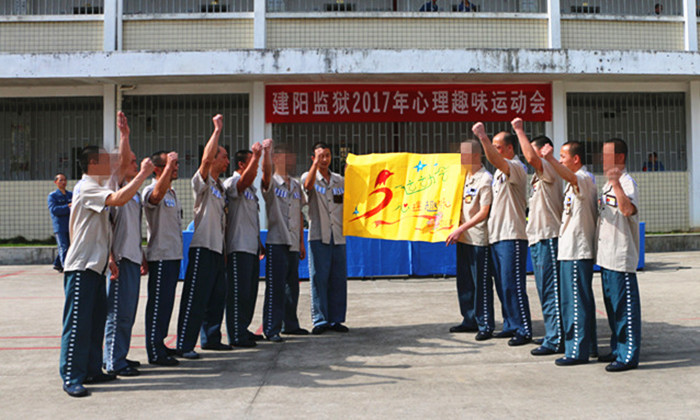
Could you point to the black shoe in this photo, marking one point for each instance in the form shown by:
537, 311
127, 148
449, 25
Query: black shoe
127, 371
519, 340
619, 367
607, 358
504, 334
298, 331
133, 363
538, 341
463, 329
60, 270
568, 361
100, 378
542, 351
170, 352
76, 390
255, 337
319, 329
165, 361
187, 354
483, 335
340, 328
246, 344
217, 347
275, 339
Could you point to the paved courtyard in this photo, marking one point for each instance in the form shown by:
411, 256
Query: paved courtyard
397, 361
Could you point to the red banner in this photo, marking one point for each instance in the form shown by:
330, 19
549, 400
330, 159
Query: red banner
397, 103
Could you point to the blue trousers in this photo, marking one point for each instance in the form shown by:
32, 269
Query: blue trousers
242, 275
162, 282
84, 314
63, 242
475, 287
509, 260
578, 308
329, 283
623, 306
281, 290
546, 268
203, 300
122, 302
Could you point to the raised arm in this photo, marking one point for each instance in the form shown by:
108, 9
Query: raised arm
212, 147
266, 163
124, 146
489, 150
124, 194
248, 175
562, 170
623, 201
311, 176
528, 151
302, 248
164, 182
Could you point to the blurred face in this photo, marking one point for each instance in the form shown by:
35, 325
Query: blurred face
568, 160
324, 159
159, 169
610, 159
60, 182
243, 165
285, 162
221, 161
469, 155
104, 166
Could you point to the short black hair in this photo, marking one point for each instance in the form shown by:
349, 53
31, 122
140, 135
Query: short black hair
320, 145
87, 154
241, 156
55, 177
620, 146
576, 149
540, 141
157, 158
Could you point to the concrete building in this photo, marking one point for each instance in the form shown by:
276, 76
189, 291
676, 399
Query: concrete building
607, 68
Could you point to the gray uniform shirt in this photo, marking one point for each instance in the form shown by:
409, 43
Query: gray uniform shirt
90, 230
507, 218
164, 226
476, 194
242, 221
618, 235
126, 221
546, 205
209, 213
578, 222
326, 208
283, 203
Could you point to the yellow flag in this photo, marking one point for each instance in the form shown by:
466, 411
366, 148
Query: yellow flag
403, 196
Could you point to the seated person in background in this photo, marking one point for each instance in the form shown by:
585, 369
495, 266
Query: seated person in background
466, 6
430, 6
652, 164
658, 9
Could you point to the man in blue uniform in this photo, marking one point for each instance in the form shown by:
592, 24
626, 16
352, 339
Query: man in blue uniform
59, 203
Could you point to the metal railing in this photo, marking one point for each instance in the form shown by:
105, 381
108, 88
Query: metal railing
133, 7
51, 7
657, 8
511, 6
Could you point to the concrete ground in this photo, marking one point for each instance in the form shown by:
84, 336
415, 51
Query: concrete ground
397, 360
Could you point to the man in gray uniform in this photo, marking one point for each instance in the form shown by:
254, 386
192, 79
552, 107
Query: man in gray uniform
242, 246
327, 254
545, 207
85, 307
127, 264
285, 242
576, 250
163, 253
618, 255
204, 294
474, 284
507, 234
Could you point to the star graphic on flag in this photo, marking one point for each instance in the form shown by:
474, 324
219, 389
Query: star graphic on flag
420, 166
356, 212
